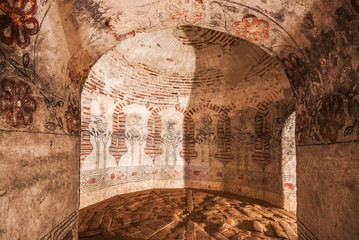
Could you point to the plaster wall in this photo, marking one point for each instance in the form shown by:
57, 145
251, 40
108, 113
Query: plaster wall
163, 119
39, 127
37, 177
289, 164
328, 179
315, 40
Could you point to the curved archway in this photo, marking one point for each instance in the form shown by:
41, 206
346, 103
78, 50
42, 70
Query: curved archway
235, 18
326, 31
180, 70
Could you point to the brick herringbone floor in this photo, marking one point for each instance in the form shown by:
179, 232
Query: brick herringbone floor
184, 214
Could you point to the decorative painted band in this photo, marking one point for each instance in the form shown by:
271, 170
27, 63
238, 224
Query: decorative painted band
304, 232
66, 230
98, 179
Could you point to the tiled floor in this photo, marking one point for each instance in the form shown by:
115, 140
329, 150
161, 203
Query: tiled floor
184, 214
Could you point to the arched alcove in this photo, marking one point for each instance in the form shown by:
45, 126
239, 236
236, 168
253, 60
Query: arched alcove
44, 64
184, 107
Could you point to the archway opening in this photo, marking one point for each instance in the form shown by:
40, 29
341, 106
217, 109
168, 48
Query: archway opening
185, 107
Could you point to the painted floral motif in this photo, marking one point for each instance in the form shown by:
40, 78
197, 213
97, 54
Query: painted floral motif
77, 75
302, 127
186, 11
331, 117
251, 28
296, 71
18, 23
72, 116
16, 102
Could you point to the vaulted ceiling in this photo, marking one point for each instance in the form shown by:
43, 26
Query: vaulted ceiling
164, 68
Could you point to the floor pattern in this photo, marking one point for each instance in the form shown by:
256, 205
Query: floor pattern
184, 214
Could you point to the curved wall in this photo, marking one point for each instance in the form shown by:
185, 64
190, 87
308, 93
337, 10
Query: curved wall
152, 120
316, 40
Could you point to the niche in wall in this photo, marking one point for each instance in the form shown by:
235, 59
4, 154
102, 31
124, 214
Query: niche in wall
184, 107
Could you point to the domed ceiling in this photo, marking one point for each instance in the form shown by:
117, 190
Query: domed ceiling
172, 67
183, 100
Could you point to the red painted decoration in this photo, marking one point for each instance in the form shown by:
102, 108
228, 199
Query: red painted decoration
20, 20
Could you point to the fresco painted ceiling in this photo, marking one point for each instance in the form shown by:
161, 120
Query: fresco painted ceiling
165, 67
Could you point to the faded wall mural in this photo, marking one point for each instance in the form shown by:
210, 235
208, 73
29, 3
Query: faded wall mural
47, 51
171, 138
210, 128
136, 133
206, 138
100, 129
